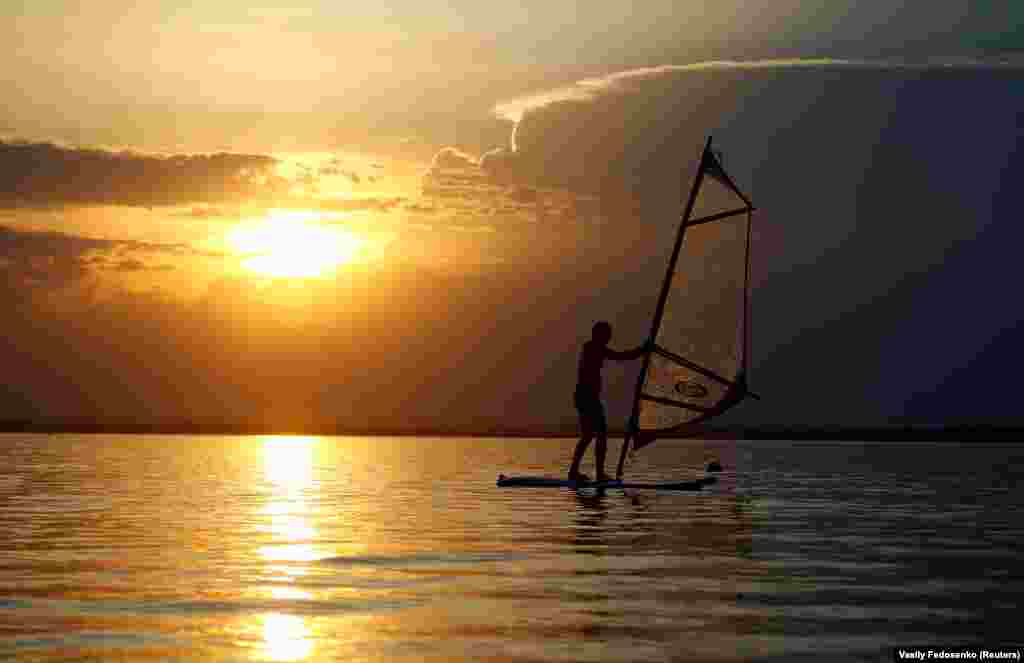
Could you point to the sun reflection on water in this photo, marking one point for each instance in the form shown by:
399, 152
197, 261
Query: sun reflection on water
286, 637
288, 469
284, 592
288, 462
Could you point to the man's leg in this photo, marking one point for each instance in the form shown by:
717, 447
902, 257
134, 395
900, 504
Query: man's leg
577, 456
600, 451
601, 446
586, 434
587, 427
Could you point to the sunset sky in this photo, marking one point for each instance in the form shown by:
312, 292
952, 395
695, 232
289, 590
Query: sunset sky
410, 214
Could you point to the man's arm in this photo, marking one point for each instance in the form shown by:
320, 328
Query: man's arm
630, 354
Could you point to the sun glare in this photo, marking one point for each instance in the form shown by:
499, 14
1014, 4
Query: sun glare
286, 637
294, 244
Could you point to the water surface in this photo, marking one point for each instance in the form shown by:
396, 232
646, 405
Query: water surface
254, 548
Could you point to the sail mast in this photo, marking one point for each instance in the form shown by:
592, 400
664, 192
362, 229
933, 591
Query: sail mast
659, 311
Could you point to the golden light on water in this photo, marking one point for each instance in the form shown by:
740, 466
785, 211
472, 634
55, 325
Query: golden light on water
288, 463
286, 637
294, 244
295, 552
288, 469
285, 592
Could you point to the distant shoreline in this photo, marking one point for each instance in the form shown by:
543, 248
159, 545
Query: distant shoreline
964, 433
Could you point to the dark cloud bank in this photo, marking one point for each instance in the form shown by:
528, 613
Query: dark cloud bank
43, 174
46, 174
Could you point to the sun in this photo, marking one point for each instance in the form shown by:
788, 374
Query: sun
293, 244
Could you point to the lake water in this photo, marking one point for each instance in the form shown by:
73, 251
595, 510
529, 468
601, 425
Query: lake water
252, 548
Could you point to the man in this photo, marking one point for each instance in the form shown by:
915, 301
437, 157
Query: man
588, 398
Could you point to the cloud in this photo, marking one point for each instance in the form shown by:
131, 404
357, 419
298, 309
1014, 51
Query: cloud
454, 173
335, 171
376, 203
462, 193
421, 208
206, 212
336, 167
321, 204
136, 265
456, 184
628, 135
53, 260
499, 163
48, 174
588, 89
452, 158
523, 194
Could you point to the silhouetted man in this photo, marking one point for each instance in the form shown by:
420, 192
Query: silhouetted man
588, 398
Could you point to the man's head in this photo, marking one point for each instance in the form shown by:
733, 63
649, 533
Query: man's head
602, 332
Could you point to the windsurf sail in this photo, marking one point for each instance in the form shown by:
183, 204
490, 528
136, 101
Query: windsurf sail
698, 366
